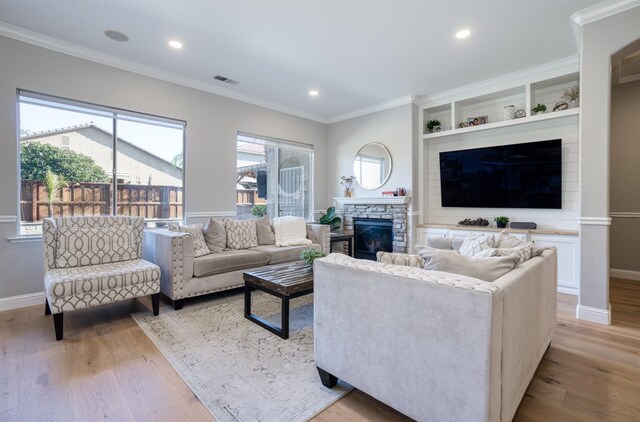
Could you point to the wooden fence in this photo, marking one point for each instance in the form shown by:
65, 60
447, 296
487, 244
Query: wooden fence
248, 196
151, 202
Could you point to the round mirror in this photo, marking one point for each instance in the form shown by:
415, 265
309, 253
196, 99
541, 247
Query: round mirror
372, 165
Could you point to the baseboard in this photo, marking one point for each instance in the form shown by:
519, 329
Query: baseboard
626, 274
21, 301
568, 290
587, 313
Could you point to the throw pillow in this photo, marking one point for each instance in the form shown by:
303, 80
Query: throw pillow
215, 235
440, 243
400, 259
265, 232
200, 247
290, 231
505, 240
523, 252
241, 234
474, 243
487, 269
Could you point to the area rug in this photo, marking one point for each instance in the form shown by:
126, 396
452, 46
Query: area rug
238, 370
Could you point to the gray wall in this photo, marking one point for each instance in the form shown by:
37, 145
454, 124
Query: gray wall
625, 176
600, 39
212, 123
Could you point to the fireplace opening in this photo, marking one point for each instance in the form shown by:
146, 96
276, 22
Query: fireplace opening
370, 236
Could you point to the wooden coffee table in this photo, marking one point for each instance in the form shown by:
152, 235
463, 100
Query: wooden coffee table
286, 281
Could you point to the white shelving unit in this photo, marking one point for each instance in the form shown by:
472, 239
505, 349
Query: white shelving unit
525, 97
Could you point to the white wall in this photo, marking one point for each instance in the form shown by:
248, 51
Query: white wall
212, 124
565, 128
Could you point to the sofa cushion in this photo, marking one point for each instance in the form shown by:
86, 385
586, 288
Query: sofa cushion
232, 260
265, 233
279, 255
215, 235
200, 247
78, 246
400, 259
487, 269
241, 234
523, 252
290, 231
474, 243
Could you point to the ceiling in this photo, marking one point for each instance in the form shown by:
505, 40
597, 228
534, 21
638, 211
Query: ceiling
356, 53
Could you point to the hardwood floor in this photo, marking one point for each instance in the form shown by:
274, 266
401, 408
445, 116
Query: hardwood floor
106, 368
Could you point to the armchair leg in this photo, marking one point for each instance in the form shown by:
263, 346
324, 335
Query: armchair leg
57, 324
47, 309
177, 304
155, 301
326, 378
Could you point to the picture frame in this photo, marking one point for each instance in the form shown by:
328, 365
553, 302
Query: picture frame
477, 121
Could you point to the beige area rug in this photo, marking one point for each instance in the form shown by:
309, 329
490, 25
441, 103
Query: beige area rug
240, 371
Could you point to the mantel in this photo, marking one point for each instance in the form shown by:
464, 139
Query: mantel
378, 200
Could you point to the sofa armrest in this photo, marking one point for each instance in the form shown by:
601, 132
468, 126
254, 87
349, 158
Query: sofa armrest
173, 253
320, 234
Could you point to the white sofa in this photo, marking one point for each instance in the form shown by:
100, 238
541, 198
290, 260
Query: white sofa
435, 346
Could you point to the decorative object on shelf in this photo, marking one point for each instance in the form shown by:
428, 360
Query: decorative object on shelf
400, 192
347, 182
434, 126
510, 112
388, 193
520, 113
477, 121
526, 225
539, 109
562, 105
463, 124
477, 222
571, 96
372, 166
311, 254
501, 221
330, 218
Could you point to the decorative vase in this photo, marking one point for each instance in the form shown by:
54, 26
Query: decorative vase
348, 193
510, 112
573, 103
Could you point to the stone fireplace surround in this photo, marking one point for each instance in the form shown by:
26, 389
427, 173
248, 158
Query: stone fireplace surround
386, 207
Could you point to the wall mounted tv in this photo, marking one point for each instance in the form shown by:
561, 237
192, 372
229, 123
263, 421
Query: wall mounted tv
525, 175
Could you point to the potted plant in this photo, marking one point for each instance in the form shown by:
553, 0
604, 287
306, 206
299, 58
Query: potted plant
311, 254
501, 221
539, 108
571, 96
347, 182
433, 125
330, 218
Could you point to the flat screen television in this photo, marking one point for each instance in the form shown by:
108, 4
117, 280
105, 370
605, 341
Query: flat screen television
525, 175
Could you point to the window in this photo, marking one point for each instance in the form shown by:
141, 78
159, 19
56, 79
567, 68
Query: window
274, 177
81, 159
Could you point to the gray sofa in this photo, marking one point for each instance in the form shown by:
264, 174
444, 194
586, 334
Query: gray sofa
183, 276
435, 346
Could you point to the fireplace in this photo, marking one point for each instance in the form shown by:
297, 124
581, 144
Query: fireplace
372, 235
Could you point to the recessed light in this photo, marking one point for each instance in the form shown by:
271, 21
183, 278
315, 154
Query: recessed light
175, 44
463, 34
313, 92
116, 35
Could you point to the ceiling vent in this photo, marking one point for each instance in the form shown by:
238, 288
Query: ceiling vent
225, 80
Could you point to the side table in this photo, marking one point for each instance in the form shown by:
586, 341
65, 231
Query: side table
341, 237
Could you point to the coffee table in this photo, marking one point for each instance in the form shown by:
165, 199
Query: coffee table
286, 281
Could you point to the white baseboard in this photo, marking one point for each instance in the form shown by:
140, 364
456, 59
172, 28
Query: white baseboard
21, 301
587, 313
626, 274
568, 290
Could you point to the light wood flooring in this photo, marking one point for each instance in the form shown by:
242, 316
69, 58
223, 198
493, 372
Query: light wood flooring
106, 368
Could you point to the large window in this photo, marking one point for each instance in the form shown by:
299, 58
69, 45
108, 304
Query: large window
81, 159
274, 177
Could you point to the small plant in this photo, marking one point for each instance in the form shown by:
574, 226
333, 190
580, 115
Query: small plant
330, 218
539, 108
432, 124
347, 181
501, 221
571, 94
311, 254
259, 210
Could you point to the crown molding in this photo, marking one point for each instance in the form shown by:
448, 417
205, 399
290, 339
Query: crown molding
75, 50
603, 10
407, 99
533, 74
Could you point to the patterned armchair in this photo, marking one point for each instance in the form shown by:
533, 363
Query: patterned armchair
91, 261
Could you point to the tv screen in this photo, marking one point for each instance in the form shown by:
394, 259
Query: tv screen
509, 176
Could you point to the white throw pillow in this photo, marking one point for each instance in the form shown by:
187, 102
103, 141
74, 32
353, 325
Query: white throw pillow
487, 269
200, 247
403, 259
241, 234
523, 252
290, 231
475, 243
505, 240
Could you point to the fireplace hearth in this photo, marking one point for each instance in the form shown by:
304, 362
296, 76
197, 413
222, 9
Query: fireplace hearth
372, 235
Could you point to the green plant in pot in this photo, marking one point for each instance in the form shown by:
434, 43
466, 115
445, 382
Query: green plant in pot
330, 218
539, 108
311, 254
432, 124
501, 221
